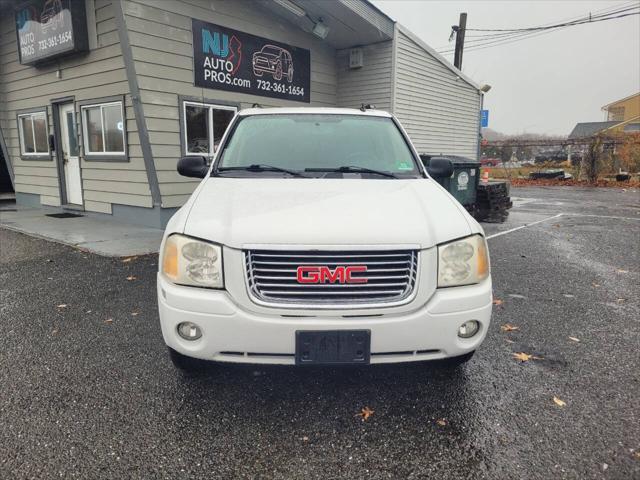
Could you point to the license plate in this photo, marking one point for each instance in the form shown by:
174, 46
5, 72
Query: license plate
333, 347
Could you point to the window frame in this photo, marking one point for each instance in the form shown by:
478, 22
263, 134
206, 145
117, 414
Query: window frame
24, 155
105, 156
210, 105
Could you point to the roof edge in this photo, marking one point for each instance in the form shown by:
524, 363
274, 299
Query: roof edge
422, 44
621, 100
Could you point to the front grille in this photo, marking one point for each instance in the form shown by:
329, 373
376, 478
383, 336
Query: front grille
390, 277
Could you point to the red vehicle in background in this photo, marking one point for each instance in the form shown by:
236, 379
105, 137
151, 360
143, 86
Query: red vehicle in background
489, 162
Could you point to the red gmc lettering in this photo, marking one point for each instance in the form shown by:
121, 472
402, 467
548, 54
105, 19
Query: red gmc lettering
324, 274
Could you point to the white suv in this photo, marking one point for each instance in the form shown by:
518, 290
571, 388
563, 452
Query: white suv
317, 237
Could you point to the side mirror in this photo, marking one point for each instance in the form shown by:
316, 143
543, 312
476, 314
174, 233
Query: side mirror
195, 167
440, 167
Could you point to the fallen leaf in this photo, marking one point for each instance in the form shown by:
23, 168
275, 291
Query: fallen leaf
596, 285
622, 271
128, 259
620, 300
509, 341
135, 314
54, 332
559, 402
507, 327
365, 413
637, 454
574, 339
62, 305
497, 301
109, 320
305, 439
442, 422
132, 277
523, 357
556, 225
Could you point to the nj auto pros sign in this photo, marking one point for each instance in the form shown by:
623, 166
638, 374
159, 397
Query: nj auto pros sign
226, 59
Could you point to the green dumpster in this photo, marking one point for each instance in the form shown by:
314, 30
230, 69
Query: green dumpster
463, 184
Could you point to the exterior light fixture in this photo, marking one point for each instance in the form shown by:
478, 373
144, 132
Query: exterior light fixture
320, 30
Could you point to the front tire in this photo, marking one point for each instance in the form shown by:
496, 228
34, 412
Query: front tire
186, 364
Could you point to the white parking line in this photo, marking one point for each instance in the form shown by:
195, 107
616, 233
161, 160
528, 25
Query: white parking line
599, 216
523, 226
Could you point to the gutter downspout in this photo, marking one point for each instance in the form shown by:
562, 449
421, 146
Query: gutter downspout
141, 122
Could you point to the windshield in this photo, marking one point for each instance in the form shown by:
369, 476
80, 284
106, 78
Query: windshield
304, 142
271, 50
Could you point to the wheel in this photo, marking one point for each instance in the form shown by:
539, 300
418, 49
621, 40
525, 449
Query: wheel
186, 364
455, 362
277, 75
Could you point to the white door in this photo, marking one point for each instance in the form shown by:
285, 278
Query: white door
71, 160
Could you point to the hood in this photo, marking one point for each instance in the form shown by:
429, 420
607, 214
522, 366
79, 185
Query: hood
244, 213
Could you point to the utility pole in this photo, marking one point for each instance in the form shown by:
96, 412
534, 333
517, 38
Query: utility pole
460, 29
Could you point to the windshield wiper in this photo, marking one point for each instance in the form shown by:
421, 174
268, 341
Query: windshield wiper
261, 167
351, 169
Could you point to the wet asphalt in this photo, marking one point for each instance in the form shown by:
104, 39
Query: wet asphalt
87, 389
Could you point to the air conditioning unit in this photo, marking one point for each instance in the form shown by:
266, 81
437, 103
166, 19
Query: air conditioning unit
356, 58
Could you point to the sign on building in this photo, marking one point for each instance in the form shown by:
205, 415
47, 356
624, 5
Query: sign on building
48, 29
226, 59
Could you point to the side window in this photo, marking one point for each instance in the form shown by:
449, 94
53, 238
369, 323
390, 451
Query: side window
34, 138
204, 125
103, 129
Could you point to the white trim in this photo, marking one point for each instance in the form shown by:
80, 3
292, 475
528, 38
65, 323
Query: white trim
210, 107
85, 137
604, 107
33, 134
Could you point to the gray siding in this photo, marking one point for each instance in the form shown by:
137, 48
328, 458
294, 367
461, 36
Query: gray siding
370, 83
438, 108
97, 74
160, 37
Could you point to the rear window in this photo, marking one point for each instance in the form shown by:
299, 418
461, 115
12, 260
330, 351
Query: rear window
301, 141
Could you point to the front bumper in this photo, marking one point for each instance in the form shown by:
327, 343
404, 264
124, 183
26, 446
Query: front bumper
231, 333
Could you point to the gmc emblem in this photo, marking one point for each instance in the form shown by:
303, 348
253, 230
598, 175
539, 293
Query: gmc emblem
324, 274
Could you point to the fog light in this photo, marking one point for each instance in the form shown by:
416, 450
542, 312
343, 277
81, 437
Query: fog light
468, 329
189, 331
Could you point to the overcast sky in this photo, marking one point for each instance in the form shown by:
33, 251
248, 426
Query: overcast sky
544, 84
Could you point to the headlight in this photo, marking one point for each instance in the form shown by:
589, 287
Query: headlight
188, 261
463, 262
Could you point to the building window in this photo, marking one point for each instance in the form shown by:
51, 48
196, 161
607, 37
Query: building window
103, 129
34, 138
204, 126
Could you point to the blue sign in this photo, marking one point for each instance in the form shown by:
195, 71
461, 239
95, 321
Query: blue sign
484, 118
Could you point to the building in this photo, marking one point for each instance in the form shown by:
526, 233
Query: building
99, 98
623, 110
622, 116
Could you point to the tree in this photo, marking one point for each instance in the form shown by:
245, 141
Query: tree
629, 152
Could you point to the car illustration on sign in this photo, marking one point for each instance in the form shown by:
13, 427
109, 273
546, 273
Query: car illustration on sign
51, 16
273, 60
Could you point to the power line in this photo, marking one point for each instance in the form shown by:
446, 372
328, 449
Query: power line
588, 19
528, 32
514, 35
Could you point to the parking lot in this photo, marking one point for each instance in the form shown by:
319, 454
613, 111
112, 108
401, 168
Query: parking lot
88, 390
